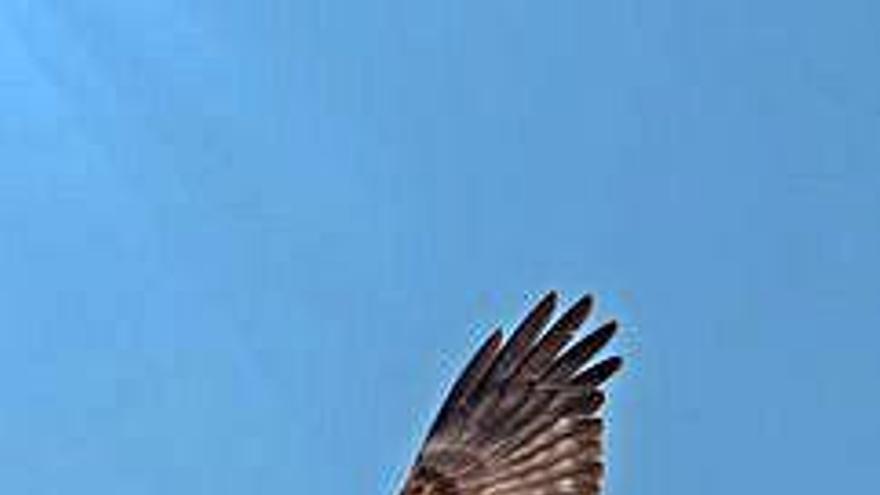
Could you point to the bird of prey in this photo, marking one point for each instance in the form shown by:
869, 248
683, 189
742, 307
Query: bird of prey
523, 416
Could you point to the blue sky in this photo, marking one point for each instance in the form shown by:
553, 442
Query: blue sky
247, 245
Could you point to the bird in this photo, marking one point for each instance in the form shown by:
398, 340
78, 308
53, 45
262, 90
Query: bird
523, 417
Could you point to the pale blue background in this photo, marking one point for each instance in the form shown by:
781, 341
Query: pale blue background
245, 245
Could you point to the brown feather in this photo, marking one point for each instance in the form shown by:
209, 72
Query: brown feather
522, 419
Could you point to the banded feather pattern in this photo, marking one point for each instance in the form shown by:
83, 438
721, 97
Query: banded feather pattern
523, 417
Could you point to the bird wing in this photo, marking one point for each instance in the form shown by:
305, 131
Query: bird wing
522, 418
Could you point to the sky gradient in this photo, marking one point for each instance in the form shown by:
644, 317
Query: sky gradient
246, 246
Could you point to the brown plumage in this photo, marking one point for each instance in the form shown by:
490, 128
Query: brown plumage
522, 418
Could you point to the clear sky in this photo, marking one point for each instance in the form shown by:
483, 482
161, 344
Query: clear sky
246, 245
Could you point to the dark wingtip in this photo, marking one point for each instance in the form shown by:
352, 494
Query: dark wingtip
604, 333
599, 373
549, 300
579, 311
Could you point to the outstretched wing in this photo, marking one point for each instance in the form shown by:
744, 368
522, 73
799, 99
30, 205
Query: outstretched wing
522, 417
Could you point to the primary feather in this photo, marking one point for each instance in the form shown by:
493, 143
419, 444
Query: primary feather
522, 418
